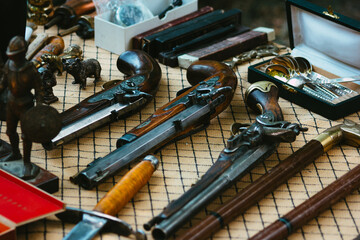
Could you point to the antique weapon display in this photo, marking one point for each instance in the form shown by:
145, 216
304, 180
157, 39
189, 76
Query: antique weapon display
229, 47
137, 41
66, 15
348, 132
102, 215
203, 34
171, 37
188, 113
312, 207
247, 146
117, 102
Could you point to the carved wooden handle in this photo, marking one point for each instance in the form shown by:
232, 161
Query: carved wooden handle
135, 63
127, 187
197, 72
55, 45
263, 96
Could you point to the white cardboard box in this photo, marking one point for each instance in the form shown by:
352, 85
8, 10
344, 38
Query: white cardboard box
117, 39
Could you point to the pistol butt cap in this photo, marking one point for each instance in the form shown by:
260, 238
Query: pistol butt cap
154, 161
263, 86
263, 96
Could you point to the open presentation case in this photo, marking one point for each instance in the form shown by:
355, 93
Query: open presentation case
331, 43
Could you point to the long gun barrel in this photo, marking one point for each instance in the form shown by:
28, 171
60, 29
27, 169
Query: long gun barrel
188, 113
114, 103
244, 149
349, 133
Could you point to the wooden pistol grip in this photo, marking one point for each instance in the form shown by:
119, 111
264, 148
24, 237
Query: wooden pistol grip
263, 96
134, 63
54, 45
210, 69
126, 188
139, 62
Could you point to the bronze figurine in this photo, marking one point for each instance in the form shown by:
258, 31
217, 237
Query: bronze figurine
81, 70
20, 77
49, 81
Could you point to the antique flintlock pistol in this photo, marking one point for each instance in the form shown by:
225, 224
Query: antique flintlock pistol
248, 145
188, 113
116, 102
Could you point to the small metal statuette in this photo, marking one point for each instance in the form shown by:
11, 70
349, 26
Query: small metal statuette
80, 70
49, 81
20, 77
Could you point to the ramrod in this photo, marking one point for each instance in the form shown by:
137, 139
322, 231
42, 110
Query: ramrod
188, 113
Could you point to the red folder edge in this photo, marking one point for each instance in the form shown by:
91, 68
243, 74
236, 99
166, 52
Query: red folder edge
22, 203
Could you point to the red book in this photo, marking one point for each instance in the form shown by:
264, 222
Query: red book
22, 203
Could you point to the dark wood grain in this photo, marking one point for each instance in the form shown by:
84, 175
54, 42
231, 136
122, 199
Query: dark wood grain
260, 102
311, 207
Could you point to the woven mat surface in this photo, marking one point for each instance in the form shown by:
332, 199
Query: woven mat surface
183, 162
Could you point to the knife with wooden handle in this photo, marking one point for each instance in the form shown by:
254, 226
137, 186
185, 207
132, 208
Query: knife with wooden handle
101, 218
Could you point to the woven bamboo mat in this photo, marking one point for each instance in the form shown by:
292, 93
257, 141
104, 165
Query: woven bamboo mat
183, 162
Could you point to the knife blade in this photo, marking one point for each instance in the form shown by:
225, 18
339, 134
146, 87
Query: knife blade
102, 216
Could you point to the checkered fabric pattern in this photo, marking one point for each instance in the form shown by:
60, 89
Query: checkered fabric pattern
185, 161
